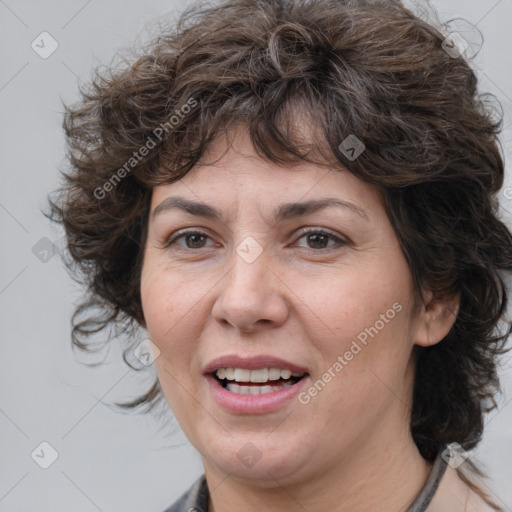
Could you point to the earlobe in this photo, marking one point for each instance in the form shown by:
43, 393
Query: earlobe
436, 318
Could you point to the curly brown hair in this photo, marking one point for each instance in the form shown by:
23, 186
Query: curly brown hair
370, 68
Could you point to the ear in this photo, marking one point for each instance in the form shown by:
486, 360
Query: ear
435, 318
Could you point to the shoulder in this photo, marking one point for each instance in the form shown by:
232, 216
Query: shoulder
457, 495
194, 499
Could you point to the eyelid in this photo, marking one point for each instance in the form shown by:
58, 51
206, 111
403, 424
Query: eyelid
312, 229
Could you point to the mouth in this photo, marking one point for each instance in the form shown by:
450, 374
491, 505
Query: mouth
254, 384
258, 381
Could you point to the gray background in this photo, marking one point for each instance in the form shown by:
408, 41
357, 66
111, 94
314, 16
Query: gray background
109, 461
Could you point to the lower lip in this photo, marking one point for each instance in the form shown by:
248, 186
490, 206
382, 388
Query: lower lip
253, 404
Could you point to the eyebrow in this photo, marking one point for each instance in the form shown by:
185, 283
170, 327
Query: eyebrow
283, 212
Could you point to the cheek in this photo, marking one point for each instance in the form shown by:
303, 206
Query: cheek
166, 295
354, 299
164, 302
174, 309
365, 320
154, 304
165, 315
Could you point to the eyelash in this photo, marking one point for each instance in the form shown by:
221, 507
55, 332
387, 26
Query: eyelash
302, 233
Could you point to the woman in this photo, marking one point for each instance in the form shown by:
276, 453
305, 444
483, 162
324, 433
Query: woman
297, 201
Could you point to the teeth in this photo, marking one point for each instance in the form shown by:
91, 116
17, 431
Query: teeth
286, 374
255, 390
259, 375
242, 375
274, 373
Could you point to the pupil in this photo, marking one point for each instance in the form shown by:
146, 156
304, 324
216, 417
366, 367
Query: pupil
194, 235
324, 237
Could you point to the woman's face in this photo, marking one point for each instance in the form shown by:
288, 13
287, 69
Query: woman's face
335, 303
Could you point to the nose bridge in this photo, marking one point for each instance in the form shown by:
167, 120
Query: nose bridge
249, 266
250, 291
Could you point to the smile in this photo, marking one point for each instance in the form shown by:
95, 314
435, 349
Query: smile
256, 382
253, 397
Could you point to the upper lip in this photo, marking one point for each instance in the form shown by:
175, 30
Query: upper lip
252, 363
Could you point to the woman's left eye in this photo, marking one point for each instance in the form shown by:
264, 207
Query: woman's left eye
318, 239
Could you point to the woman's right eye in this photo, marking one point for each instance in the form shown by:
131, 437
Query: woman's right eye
195, 236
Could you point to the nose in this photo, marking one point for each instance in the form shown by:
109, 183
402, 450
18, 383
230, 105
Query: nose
252, 297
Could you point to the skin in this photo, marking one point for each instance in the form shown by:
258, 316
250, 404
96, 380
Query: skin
304, 299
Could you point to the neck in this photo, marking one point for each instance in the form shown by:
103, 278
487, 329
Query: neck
374, 476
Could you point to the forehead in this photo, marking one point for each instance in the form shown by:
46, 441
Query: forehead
231, 172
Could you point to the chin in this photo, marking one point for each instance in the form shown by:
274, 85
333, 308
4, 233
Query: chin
261, 463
